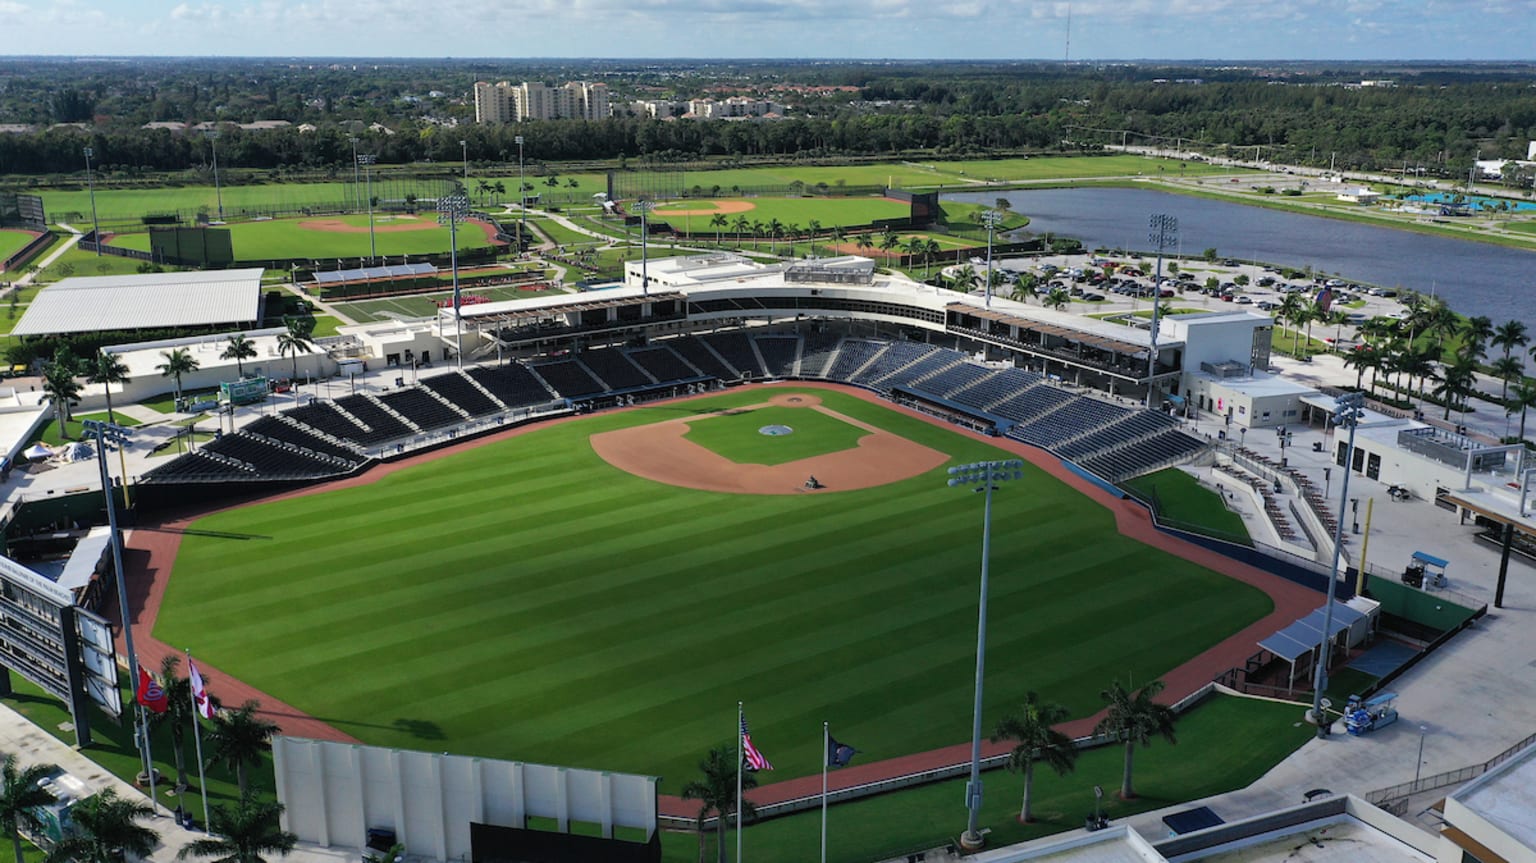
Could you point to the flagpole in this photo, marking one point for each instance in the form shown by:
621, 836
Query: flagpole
740, 760
197, 735
149, 753
826, 755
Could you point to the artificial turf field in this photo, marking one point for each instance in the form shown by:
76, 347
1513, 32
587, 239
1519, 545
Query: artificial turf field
11, 240
292, 238
796, 211
525, 600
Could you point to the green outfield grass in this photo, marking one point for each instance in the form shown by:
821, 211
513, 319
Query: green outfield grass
120, 204
527, 600
1184, 502
79, 262
49, 433
11, 241
425, 305
789, 211
291, 238
736, 435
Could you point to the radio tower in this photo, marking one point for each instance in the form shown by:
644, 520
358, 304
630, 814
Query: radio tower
1067, 58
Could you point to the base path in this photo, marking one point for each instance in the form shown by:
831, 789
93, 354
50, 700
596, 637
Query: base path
710, 208
659, 452
151, 552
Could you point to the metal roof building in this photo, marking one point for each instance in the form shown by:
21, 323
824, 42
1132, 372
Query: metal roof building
144, 302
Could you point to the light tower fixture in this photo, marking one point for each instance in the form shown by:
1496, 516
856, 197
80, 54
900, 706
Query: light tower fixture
522, 197
990, 218
90, 181
1348, 409
644, 208
450, 209
1163, 235
983, 477
367, 160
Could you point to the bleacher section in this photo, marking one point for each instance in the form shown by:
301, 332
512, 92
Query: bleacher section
568, 378
1072, 419
737, 351
421, 408
852, 356
816, 353
663, 364
701, 357
288, 433
381, 425
272, 461
950, 381
1031, 403
1166, 448
997, 388
458, 389
513, 384
324, 417
779, 354
896, 357
615, 369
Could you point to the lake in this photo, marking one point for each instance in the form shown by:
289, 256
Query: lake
1475, 278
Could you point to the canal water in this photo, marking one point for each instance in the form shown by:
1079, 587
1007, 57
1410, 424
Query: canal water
1475, 278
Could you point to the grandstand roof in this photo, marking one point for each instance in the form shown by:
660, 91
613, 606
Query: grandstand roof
539, 307
368, 274
142, 302
1099, 334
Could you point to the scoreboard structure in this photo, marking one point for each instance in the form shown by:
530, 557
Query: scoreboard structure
64, 649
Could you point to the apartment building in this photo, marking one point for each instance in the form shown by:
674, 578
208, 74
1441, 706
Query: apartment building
505, 102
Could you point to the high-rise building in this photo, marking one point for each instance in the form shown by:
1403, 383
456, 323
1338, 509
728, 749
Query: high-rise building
505, 102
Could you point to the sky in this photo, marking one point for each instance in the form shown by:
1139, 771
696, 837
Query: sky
892, 29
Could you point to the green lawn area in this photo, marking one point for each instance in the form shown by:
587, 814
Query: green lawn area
1064, 167
736, 435
1524, 227
12, 239
49, 434
1184, 502
1225, 743
1292, 342
789, 211
79, 262
129, 204
560, 235
166, 403
527, 600
289, 238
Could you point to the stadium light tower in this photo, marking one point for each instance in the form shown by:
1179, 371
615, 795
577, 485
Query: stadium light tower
982, 476
90, 181
367, 160
990, 218
451, 208
356, 180
218, 191
1164, 235
645, 279
464, 146
104, 432
1347, 412
522, 197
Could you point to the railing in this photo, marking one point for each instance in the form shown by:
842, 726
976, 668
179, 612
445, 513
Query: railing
1394, 798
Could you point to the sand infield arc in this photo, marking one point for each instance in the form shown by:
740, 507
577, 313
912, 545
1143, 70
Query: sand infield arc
660, 452
730, 208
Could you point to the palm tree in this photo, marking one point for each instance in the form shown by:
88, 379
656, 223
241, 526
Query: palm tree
178, 362
716, 792
889, 241
812, 229
238, 739
108, 370
1309, 312
1024, 285
1419, 363
1362, 357
865, 243
930, 249
60, 386
740, 227
242, 835
20, 794
1509, 335
501, 189
1135, 718
1457, 384
1475, 334
484, 188
914, 247
1440, 322
718, 222
239, 349
759, 230
1507, 368
775, 231
106, 828
1289, 311
1337, 317
839, 235
1522, 398
1031, 726
294, 342
1057, 299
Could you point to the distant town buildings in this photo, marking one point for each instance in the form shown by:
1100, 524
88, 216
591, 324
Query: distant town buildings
505, 102
732, 108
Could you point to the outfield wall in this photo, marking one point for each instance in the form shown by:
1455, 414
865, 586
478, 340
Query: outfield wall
333, 793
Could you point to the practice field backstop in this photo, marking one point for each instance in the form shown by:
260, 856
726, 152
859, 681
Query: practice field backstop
22, 211
192, 247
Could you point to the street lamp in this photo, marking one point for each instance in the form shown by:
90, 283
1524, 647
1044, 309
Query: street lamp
645, 280
1163, 235
104, 432
981, 476
522, 199
90, 181
213, 144
1347, 412
451, 208
1418, 763
367, 160
990, 218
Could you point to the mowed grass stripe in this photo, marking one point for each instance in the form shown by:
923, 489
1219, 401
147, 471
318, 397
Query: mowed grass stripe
526, 600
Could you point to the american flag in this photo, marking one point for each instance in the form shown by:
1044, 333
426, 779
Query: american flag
755, 760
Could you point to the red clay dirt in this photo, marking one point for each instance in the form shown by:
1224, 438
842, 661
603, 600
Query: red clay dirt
730, 208
660, 452
151, 552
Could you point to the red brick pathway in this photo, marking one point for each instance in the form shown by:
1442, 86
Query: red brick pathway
151, 551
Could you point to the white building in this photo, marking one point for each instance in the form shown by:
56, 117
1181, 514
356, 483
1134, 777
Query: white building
735, 107
505, 102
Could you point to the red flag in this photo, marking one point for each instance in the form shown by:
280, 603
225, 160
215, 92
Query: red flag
150, 694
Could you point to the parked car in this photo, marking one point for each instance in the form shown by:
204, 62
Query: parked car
1244, 301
